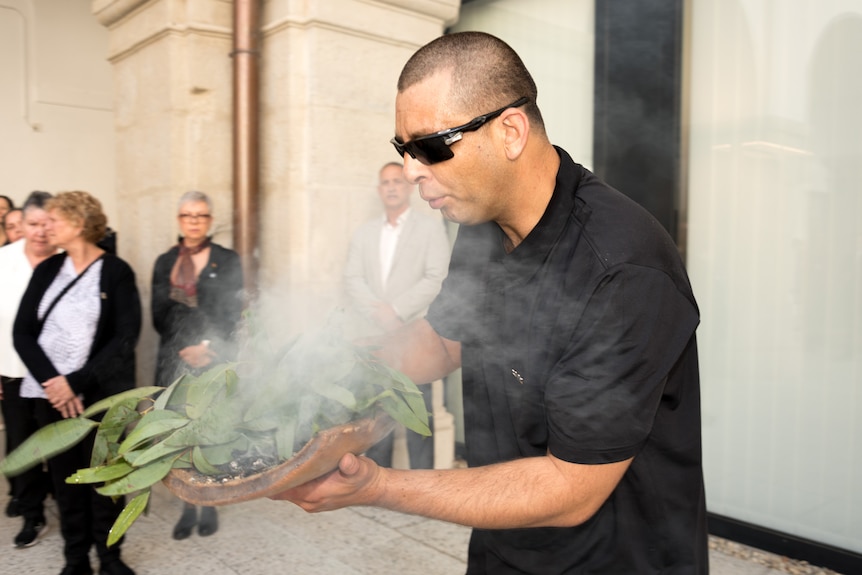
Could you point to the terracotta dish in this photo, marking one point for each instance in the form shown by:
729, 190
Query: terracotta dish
317, 457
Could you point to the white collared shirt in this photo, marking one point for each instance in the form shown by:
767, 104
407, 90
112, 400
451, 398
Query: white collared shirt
389, 235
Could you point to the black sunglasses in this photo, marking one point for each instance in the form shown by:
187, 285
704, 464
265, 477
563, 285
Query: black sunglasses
434, 148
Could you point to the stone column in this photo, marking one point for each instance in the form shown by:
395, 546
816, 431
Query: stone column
172, 78
328, 83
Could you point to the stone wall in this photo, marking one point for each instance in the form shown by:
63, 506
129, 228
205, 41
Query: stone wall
328, 74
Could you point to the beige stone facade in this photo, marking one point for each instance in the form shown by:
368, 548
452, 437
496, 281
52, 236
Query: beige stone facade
132, 101
328, 71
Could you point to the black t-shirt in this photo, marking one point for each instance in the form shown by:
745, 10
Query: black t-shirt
581, 342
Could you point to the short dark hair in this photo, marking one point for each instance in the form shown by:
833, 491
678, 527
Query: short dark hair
36, 199
486, 73
8, 201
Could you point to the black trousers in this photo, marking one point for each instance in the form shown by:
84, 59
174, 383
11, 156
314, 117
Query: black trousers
85, 516
419, 448
31, 487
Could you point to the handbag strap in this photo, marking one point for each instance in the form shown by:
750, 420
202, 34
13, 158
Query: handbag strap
65, 290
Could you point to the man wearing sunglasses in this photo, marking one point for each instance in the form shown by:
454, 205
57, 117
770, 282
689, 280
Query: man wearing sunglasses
570, 313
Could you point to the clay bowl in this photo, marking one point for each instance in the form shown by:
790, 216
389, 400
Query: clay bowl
317, 457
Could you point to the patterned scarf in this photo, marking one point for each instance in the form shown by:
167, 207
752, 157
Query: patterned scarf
184, 289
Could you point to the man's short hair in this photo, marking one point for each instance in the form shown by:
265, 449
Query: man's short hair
486, 73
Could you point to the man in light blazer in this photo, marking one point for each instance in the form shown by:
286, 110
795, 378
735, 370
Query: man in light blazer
395, 267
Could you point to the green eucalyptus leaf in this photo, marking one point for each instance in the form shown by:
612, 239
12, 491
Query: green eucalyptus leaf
128, 516
157, 451
337, 393
285, 436
168, 397
140, 478
48, 441
101, 473
118, 417
204, 389
231, 381
395, 406
223, 453
184, 461
105, 404
153, 424
264, 423
101, 450
212, 432
201, 464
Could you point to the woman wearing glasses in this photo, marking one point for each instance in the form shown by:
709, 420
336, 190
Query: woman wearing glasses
196, 305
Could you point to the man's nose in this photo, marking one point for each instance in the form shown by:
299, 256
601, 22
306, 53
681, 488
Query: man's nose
413, 169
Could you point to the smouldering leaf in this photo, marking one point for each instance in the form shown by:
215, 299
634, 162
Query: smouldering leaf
201, 464
284, 438
223, 453
204, 389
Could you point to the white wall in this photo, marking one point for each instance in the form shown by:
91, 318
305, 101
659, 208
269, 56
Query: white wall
775, 256
555, 39
56, 119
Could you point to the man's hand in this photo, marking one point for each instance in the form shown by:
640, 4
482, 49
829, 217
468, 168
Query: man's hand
354, 482
62, 398
383, 315
197, 356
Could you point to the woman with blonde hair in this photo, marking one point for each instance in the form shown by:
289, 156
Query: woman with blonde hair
76, 332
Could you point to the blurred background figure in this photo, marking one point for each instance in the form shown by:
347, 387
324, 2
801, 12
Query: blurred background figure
12, 224
6, 204
17, 260
76, 332
197, 303
395, 267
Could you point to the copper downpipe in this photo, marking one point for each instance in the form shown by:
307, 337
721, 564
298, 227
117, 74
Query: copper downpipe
246, 158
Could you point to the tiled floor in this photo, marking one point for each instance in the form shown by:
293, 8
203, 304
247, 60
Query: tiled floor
267, 537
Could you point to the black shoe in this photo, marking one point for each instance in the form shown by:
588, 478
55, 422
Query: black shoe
77, 569
29, 535
116, 567
187, 521
209, 521
12, 508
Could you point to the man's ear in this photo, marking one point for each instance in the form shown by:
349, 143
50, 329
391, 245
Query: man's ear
516, 126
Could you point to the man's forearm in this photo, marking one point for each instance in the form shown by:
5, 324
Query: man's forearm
530, 492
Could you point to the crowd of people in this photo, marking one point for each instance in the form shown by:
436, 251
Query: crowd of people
565, 305
70, 318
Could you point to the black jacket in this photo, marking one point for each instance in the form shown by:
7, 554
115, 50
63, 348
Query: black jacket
110, 366
215, 318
